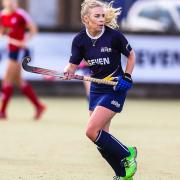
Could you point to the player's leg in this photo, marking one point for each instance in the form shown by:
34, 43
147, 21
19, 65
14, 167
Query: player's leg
112, 159
7, 87
28, 91
103, 111
115, 103
104, 154
118, 170
111, 149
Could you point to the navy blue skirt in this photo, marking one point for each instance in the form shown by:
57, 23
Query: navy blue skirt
19, 55
113, 101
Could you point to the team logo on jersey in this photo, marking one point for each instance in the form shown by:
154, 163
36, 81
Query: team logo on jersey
13, 20
106, 49
115, 103
99, 61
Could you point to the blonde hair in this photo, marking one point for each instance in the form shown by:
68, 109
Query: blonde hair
111, 14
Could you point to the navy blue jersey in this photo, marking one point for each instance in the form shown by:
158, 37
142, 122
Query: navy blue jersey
102, 54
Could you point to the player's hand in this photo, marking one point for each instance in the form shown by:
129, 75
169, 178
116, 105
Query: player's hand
124, 83
21, 44
68, 73
68, 76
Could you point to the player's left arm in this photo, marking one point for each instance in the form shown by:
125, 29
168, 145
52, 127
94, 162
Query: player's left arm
125, 82
130, 62
30, 25
32, 30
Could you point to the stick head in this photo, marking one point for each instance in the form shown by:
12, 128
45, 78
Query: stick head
25, 61
38, 70
28, 59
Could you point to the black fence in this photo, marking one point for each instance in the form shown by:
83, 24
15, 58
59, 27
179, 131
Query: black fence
140, 91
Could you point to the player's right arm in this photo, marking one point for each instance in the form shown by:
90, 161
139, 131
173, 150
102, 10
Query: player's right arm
75, 59
70, 70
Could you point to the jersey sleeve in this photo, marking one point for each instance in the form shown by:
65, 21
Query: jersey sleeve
122, 44
76, 52
25, 16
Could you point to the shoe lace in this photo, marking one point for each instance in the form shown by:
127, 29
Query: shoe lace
126, 163
116, 178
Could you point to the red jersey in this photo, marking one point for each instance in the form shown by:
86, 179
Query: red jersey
15, 25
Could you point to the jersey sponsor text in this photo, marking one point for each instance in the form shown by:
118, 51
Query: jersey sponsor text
99, 61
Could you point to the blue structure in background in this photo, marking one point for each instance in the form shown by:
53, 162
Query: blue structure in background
125, 4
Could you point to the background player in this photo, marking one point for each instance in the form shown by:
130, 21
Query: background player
13, 23
101, 46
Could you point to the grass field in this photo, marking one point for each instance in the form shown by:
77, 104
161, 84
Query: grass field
56, 148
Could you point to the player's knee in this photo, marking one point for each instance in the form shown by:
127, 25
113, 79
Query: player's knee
91, 133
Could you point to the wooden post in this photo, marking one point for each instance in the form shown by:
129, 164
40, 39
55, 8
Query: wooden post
64, 13
69, 14
75, 16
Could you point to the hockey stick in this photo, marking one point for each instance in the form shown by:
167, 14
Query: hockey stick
60, 75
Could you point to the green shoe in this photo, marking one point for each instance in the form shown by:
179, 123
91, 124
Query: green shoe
128, 178
130, 163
